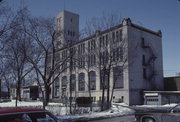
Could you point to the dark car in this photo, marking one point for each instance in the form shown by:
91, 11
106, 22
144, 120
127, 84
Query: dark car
159, 114
21, 114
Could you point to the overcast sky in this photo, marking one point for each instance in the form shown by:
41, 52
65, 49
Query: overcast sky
161, 15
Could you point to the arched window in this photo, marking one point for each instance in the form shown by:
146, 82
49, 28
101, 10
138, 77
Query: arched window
73, 82
81, 83
92, 78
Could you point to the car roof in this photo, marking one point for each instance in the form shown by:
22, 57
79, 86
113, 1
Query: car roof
8, 110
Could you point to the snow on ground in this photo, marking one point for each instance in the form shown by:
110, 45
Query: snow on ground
158, 106
115, 110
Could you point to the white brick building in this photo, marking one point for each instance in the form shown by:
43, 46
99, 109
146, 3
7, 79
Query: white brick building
138, 60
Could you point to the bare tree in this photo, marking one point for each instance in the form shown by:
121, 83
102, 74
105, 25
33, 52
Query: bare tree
14, 46
110, 52
45, 61
15, 53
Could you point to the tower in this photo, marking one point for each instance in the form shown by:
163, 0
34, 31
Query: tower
67, 27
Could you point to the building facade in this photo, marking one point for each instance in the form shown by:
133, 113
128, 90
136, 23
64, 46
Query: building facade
131, 54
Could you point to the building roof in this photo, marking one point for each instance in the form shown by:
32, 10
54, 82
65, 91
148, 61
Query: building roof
127, 21
173, 77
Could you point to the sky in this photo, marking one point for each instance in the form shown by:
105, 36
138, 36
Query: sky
156, 15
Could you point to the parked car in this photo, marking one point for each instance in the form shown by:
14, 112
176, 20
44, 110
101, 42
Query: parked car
160, 114
22, 114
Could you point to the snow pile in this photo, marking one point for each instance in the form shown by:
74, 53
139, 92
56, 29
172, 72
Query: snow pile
115, 110
121, 109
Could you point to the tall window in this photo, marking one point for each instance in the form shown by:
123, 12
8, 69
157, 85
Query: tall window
64, 82
64, 58
104, 57
91, 45
81, 82
117, 36
106, 39
81, 61
73, 82
64, 86
81, 48
113, 36
56, 87
118, 77
120, 35
92, 78
118, 54
91, 60
104, 79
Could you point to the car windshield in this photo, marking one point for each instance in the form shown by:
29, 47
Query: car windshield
175, 108
28, 117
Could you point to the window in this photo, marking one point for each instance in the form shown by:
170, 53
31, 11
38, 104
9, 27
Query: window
121, 53
118, 77
73, 82
117, 36
81, 61
81, 82
56, 87
64, 82
91, 60
81, 48
113, 36
92, 80
64, 58
118, 54
120, 35
91, 45
106, 39
104, 57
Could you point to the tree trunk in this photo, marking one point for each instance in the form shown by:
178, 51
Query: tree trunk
103, 90
89, 90
16, 95
19, 90
47, 94
112, 92
108, 89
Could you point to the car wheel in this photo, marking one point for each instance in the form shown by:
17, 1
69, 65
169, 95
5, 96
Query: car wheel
148, 119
